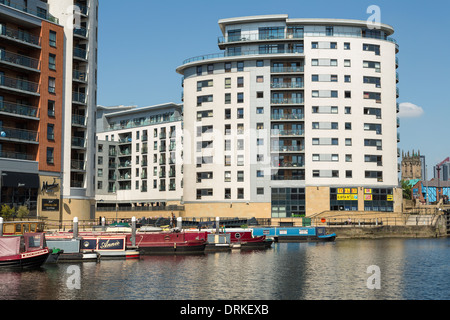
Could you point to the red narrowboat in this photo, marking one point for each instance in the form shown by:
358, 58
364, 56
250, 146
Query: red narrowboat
23, 252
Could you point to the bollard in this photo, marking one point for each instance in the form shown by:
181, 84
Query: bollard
1, 227
217, 225
103, 224
133, 231
179, 223
75, 227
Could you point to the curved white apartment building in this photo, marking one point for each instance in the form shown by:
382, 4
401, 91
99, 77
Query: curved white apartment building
295, 117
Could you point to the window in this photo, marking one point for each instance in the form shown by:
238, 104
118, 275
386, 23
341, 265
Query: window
52, 61
240, 193
227, 193
348, 126
260, 63
210, 68
51, 108
227, 83
260, 174
227, 98
259, 79
329, 31
260, 110
260, 191
260, 94
50, 157
348, 94
240, 66
372, 47
51, 132
373, 65
348, 158
240, 160
52, 39
240, 82
227, 66
240, 97
347, 63
204, 84
199, 70
202, 99
348, 110
240, 176
346, 45
51, 85
227, 176
204, 193
240, 113
373, 80
348, 142
373, 96
348, 78
324, 62
227, 114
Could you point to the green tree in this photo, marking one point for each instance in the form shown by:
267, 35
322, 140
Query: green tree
22, 212
6, 211
406, 190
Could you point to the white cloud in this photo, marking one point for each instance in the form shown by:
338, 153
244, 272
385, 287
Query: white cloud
410, 110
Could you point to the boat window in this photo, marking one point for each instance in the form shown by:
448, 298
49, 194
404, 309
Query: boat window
34, 242
26, 228
18, 228
33, 227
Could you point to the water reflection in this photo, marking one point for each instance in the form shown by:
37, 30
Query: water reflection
410, 269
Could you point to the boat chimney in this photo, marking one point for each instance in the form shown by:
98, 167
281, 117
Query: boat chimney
180, 223
217, 225
1, 227
133, 231
75, 227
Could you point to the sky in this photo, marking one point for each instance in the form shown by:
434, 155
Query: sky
143, 42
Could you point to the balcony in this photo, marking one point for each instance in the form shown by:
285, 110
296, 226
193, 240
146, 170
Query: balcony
80, 53
79, 75
19, 6
287, 85
78, 165
17, 156
287, 116
78, 142
286, 101
283, 149
19, 85
83, 9
79, 97
298, 69
20, 36
278, 132
19, 110
19, 60
287, 164
260, 37
79, 120
82, 32
19, 135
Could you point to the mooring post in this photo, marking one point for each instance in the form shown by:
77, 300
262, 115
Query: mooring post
180, 223
103, 224
133, 231
217, 225
75, 227
1, 227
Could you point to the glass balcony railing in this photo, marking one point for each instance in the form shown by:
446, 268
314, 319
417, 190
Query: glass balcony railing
19, 134
79, 75
288, 148
287, 85
260, 36
80, 53
80, 32
19, 84
79, 97
287, 69
78, 120
20, 60
78, 142
19, 5
18, 109
291, 116
287, 100
19, 35
17, 155
78, 165
278, 132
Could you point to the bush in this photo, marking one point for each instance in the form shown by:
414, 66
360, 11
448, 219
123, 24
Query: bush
6, 212
22, 212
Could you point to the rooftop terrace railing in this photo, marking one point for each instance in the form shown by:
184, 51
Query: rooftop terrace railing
38, 13
19, 35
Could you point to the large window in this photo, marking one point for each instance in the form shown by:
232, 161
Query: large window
379, 199
288, 202
344, 199
271, 33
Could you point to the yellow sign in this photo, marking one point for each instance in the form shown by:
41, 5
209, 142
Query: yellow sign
368, 197
347, 191
367, 191
347, 197
390, 197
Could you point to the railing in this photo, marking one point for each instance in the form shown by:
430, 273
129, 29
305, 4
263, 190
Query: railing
19, 84
80, 53
287, 85
19, 6
20, 60
287, 148
19, 109
80, 32
19, 35
79, 75
131, 124
291, 116
78, 142
79, 97
17, 155
78, 165
285, 164
78, 120
83, 8
259, 37
287, 69
278, 132
287, 100
19, 134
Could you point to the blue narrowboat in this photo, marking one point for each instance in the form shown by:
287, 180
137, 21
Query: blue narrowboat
295, 234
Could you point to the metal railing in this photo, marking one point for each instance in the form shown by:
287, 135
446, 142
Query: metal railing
19, 109
19, 59
19, 134
19, 6
19, 35
17, 155
19, 84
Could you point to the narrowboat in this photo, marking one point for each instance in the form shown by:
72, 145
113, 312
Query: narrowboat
70, 249
294, 234
165, 242
23, 252
108, 247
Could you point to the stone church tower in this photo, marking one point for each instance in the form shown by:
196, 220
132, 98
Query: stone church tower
411, 166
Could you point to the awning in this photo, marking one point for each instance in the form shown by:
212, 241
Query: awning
16, 179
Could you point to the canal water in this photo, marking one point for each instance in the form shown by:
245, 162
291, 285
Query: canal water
387, 269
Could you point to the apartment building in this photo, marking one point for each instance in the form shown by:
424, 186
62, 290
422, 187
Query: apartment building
41, 122
139, 157
293, 118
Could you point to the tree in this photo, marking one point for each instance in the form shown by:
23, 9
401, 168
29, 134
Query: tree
406, 190
22, 212
6, 211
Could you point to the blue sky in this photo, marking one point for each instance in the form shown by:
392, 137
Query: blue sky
143, 42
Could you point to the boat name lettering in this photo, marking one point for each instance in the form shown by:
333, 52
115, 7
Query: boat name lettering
110, 244
32, 254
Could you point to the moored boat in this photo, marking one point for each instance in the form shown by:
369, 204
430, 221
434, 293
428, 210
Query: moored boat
295, 234
109, 247
70, 249
23, 252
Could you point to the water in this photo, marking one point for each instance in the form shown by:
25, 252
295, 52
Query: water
410, 269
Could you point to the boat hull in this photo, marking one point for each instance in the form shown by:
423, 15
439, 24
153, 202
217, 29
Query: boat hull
27, 260
161, 243
290, 239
